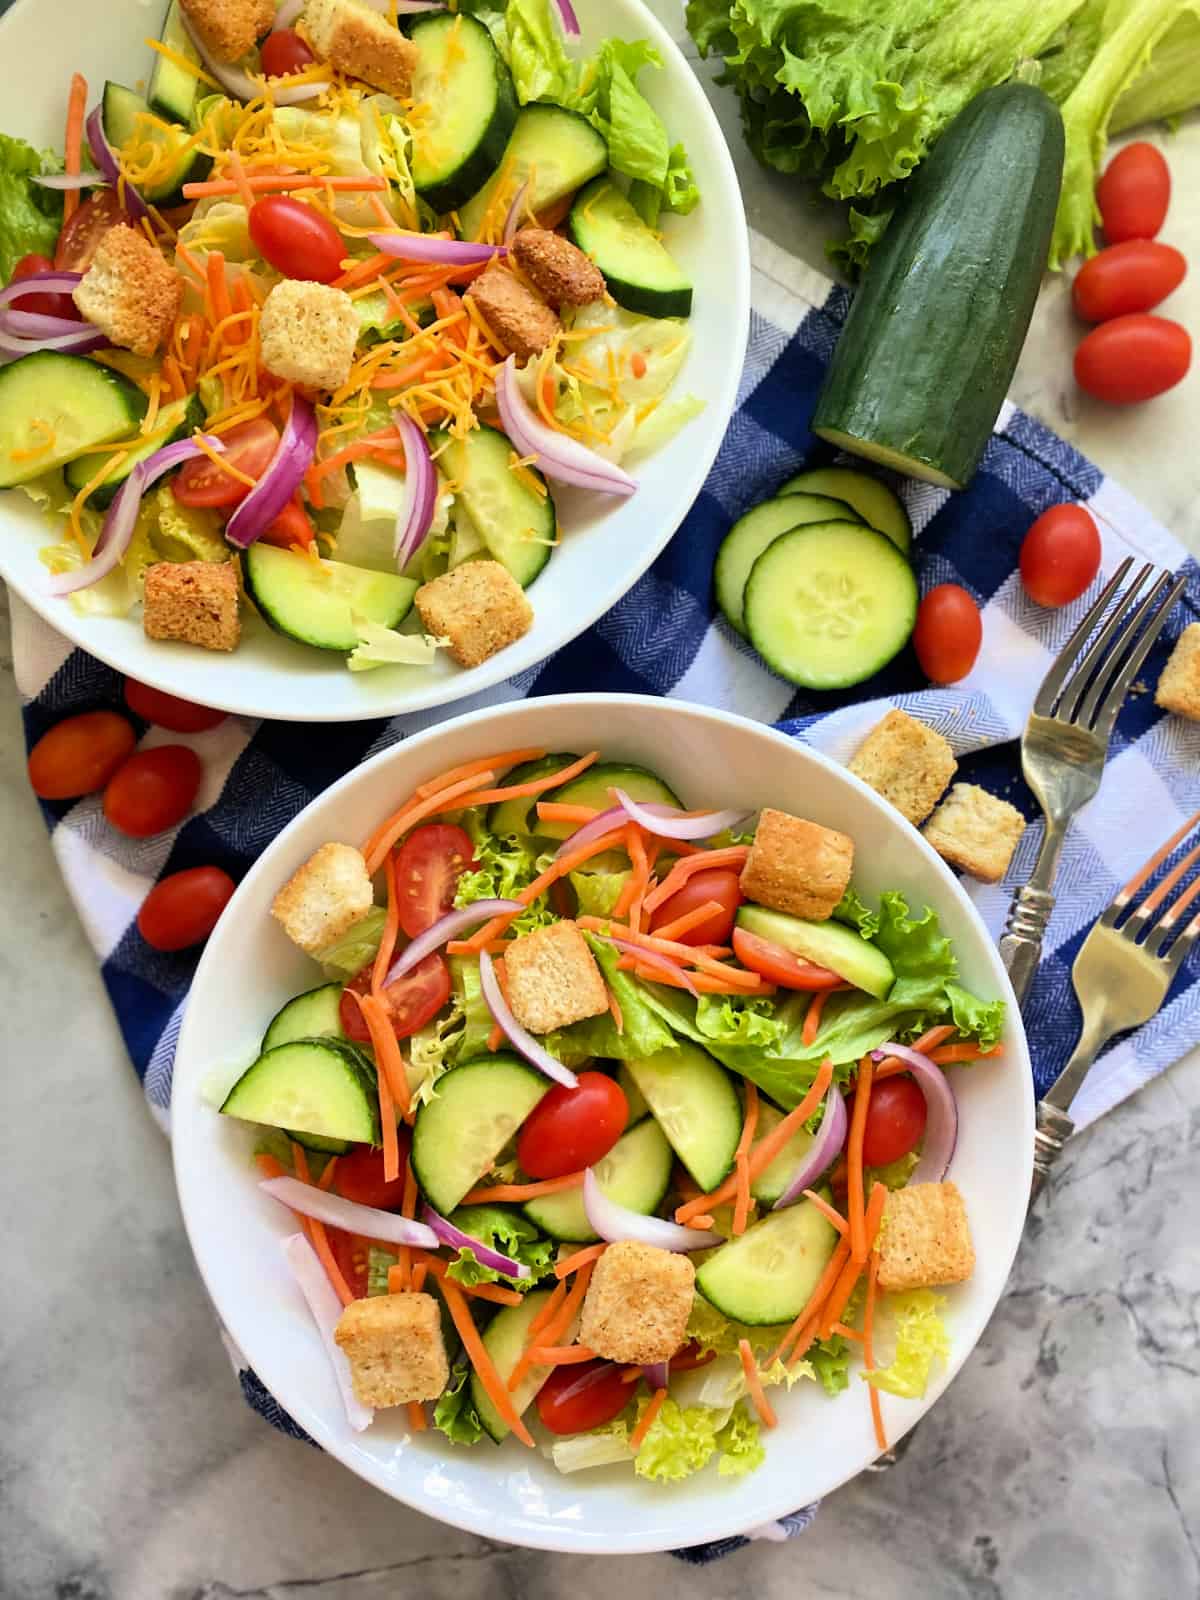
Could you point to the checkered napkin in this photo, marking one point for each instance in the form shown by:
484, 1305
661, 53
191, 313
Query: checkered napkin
663, 639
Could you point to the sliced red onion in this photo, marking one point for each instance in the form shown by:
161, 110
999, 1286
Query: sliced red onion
822, 1153
524, 1043
484, 1254
614, 1223
37, 325
427, 247
445, 929
292, 459
67, 181
941, 1108
122, 515
287, 13
326, 1310
653, 958
415, 517
331, 1208
570, 22
669, 824
657, 1374
85, 339
40, 283
614, 817
556, 454
110, 169
241, 86
512, 221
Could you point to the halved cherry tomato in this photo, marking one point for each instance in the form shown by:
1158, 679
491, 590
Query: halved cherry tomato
1133, 358
411, 1001
948, 633
428, 866
296, 240
41, 304
1060, 555
573, 1128
81, 235
359, 1176
168, 710
576, 1398
717, 883
1134, 193
284, 52
153, 790
1134, 276
248, 447
290, 527
350, 1251
780, 966
182, 910
896, 1115
79, 755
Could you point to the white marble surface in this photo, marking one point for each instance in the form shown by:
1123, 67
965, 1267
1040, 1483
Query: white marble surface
1064, 1460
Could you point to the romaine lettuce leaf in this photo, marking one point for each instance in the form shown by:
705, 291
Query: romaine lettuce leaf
386, 647
508, 1232
30, 216
642, 1033
455, 1414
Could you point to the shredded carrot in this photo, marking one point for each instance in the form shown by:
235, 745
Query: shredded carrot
559, 869
270, 1167
754, 1384
699, 982
416, 1416
732, 856
950, 1053
567, 1355
855, 1199
614, 1010
481, 1361
813, 1304
689, 920
391, 927
521, 1191
839, 1296
327, 1174
580, 1258
318, 1238
390, 831
830, 1213
436, 1268
73, 143
241, 187
535, 786
559, 811
363, 271
557, 1326
218, 287
278, 184
380, 1031
497, 1033
926, 1044
374, 445
702, 1221
647, 1420
401, 377
869, 1350
741, 1171
408, 1207
471, 769
632, 1374
419, 1274
847, 1332
689, 954
633, 891
812, 1017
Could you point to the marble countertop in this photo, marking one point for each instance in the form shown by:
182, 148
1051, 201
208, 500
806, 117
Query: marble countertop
1064, 1460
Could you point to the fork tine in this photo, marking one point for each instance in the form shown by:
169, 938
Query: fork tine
1177, 954
1106, 716
1162, 933
1065, 659
1125, 894
1114, 625
1145, 912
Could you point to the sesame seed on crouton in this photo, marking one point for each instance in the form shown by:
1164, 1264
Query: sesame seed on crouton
638, 1303
797, 866
395, 1348
924, 1239
362, 44
308, 332
324, 898
558, 269
905, 762
192, 601
1179, 686
130, 292
975, 831
553, 979
523, 324
478, 606
229, 29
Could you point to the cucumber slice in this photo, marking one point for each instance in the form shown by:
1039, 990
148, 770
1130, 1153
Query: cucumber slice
640, 272
75, 403
591, 789
515, 816
767, 1275
321, 1086
315, 1015
635, 1173
173, 92
829, 944
634, 1098
774, 1179
319, 1143
128, 119
751, 534
315, 603
873, 501
505, 1339
468, 109
518, 525
828, 605
175, 421
555, 151
458, 1134
697, 1107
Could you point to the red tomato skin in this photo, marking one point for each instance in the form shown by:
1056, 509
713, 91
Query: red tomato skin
284, 52
153, 790
715, 883
896, 1116
79, 755
249, 447
1133, 358
358, 1176
1134, 193
411, 1001
948, 633
350, 1253
182, 910
1060, 555
39, 303
576, 1398
81, 235
1129, 277
296, 240
428, 866
290, 527
572, 1128
780, 966
168, 710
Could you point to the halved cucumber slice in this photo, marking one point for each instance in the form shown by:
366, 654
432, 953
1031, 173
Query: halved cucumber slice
752, 533
505, 1339
321, 1086
634, 1098
829, 605
173, 90
828, 944
774, 1179
458, 1134
515, 816
640, 272
767, 1275
318, 1142
468, 109
316, 602
635, 1173
175, 421
696, 1106
314, 1015
518, 525
129, 122
555, 151
591, 788
873, 501
54, 406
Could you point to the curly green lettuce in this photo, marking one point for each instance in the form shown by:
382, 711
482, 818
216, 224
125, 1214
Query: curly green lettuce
921, 1341
507, 1232
455, 1414
504, 865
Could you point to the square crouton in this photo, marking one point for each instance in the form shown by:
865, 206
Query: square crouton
1179, 687
523, 324
797, 866
395, 1348
308, 332
638, 1303
362, 44
195, 601
975, 831
924, 1239
130, 292
229, 29
478, 606
553, 979
905, 762
325, 898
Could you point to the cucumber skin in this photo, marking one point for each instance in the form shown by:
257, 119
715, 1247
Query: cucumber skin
641, 299
78, 472
471, 175
926, 356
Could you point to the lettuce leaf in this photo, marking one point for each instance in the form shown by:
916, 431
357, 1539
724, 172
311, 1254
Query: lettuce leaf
504, 865
508, 1232
597, 892
643, 1032
346, 957
681, 1440
830, 1360
740, 1444
712, 1331
433, 1049
921, 1340
30, 216
384, 647
455, 1414
476, 1018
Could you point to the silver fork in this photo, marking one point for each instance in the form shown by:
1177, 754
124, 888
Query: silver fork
1122, 974
1065, 743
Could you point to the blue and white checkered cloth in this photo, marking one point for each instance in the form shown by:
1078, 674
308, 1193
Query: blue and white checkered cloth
664, 639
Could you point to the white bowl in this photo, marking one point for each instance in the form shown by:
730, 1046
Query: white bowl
249, 969
607, 545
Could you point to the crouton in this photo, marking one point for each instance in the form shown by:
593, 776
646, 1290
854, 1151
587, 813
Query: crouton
924, 1239
553, 979
362, 44
521, 323
195, 601
637, 1304
325, 898
478, 606
975, 831
905, 762
307, 333
797, 866
229, 29
395, 1348
558, 269
1179, 686
130, 292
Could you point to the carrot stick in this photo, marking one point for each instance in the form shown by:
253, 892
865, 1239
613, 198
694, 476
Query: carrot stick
277, 183
647, 1420
614, 1011
408, 1206
950, 1053
869, 1350
391, 927
470, 769
852, 1271
497, 1033
401, 821
689, 954
217, 287
741, 1205
363, 271
535, 786
754, 1384
812, 1017
521, 1191
689, 920
379, 1029
848, 1332
731, 856
566, 1355
556, 1327
318, 1238
419, 1274
815, 1300
634, 888
827, 1211
436, 1268
580, 1258
699, 980
855, 1200
416, 1416
73, 142
481, 1361
325, 1181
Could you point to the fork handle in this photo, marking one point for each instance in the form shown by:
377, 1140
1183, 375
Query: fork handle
1021, 945
1054, 1128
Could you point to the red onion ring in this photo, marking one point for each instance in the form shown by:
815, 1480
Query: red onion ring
614, 1223
415, 517
484, 1254
40, 282
524, 1043
823, 1151
331, 1208
292, 459
614, 817
427, 247
657, 1374
241, 86
85, 339
941, 1119
445, 929
570, 22
670, 824
326, 1310
556, 454
653, 958
110, 168
36, 325
512, 221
